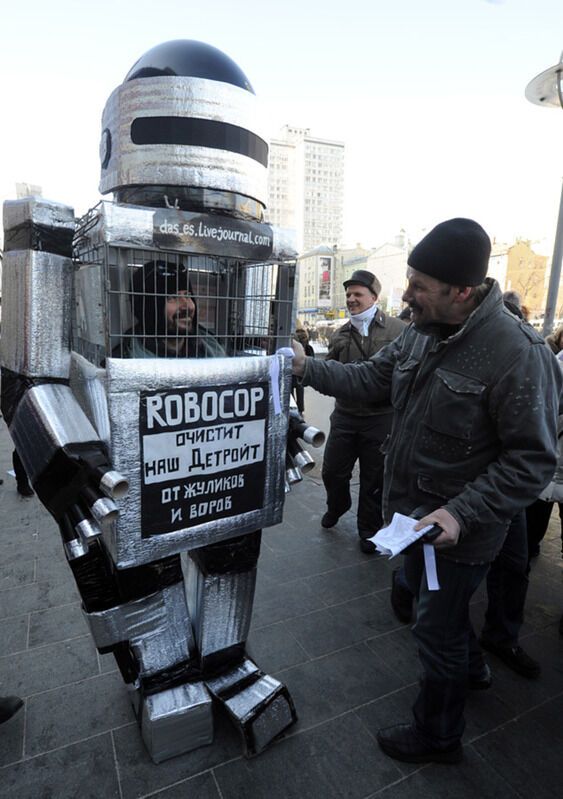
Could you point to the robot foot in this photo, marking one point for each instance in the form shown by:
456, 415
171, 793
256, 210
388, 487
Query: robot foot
176, 720
259, 705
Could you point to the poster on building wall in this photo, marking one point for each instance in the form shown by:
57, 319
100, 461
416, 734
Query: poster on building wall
203, 454
324, 278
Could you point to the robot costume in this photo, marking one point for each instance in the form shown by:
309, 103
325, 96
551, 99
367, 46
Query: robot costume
147, 399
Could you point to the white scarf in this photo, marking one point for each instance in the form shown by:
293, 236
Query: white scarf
362, 321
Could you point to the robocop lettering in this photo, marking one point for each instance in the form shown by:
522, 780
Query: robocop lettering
202, 451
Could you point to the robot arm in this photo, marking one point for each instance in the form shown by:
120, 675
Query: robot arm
298, 460
62, 453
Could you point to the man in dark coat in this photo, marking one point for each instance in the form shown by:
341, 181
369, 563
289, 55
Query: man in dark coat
475, 394
358, 428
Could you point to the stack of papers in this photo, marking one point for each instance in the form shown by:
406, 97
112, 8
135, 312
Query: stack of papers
398, 535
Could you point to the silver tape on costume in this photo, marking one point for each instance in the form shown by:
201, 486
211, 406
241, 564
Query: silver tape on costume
276, 716
36, 301
87, 385
125, 380
89, 307
47, 418
176, 720
220, 606
157, 627
226, 681
262, 708
181, 165
133, 226
38, 211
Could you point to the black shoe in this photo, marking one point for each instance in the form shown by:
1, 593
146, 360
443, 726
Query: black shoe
25, 490
368, 547
9, 706
514, 657
482, 681
329, 519
401, 600
402, 743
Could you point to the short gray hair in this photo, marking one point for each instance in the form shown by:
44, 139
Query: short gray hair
513, 297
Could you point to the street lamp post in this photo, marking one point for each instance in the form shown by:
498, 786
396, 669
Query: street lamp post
547, 89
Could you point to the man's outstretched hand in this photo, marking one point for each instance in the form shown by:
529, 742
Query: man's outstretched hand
299, 357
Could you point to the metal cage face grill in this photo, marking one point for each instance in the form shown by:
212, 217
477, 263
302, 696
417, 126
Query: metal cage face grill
132, 302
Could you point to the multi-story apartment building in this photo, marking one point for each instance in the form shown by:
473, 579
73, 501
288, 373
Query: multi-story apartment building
306, 187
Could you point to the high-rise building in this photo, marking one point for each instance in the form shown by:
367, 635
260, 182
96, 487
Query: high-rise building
306, 187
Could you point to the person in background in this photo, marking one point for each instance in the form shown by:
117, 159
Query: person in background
539, 512
358, 427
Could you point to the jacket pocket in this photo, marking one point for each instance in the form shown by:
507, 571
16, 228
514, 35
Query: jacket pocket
455, 404
443, 487
454, 418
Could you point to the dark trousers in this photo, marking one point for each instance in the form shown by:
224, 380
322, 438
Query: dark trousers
21, 476
507, 586
355, 438
443, 633
537, 519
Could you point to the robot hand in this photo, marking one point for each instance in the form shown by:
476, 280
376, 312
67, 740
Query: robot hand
78, 488
67, 464
298, 460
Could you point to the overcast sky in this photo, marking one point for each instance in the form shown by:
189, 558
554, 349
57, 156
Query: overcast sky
427, 95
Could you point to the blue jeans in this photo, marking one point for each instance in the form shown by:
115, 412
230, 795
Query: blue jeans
446, 643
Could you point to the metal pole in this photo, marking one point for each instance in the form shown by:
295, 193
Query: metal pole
555, 276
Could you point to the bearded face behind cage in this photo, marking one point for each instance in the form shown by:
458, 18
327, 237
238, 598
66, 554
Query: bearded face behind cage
146, 302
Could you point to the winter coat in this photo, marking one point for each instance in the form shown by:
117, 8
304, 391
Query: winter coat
475, 420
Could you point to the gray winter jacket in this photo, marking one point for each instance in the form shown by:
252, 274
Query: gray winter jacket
475, 421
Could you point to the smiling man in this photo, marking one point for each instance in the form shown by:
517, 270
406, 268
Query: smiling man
475, 394
358, 428
180, 312
165, 311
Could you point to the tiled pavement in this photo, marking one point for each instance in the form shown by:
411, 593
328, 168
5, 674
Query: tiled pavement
322, 624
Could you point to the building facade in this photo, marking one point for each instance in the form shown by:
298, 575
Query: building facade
306, 187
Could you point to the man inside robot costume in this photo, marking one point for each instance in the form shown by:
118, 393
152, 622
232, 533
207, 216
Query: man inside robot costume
161, 469
165, 310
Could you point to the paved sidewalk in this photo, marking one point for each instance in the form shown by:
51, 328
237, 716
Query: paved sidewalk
322, 624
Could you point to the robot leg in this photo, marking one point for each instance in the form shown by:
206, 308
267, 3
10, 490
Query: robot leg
221, 579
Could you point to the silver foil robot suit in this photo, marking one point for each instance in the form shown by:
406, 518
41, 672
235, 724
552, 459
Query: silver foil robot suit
145, 395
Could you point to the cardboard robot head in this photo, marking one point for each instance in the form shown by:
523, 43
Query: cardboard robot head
185, 118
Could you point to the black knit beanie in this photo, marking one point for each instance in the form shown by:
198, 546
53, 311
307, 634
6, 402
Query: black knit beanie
456, 252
